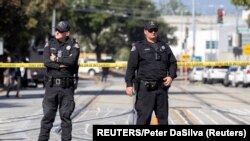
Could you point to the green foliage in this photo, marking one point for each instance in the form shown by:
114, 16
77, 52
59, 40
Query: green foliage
245, 3
122, 54
12, 28
241, 3
173, 7
248, 21
101, 26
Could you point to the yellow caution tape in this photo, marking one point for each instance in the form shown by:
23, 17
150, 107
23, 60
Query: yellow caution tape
21, 65
112, 65
203, 64
119, 65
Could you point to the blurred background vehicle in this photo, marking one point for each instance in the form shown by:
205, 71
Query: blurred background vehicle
229, 75
32, 77
195, 74
91, 71
216, 74
205, 74
238, 76
246, 77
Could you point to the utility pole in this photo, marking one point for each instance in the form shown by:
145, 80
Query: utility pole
1, 46
194, 30
210, 58
237, 50
237, 20
53, 22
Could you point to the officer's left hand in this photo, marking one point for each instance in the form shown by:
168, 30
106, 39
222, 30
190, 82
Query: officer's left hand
167, 81
129, 91
52, 57
62, 66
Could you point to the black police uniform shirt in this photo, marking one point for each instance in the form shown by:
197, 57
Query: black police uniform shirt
69, 56
143, 59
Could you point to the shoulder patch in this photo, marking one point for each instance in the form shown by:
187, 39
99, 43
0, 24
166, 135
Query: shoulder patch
133, 48
46, 45
76, 45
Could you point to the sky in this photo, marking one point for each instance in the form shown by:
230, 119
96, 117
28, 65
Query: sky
209, 7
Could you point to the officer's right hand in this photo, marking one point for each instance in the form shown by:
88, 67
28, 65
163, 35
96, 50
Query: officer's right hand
129, 91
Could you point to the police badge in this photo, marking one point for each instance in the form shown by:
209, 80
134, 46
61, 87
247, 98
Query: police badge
68, 47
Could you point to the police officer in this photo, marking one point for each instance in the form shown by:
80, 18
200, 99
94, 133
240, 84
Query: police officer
61, 56
152, 66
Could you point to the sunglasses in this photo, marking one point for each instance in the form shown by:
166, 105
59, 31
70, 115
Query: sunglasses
60, 31
153, 30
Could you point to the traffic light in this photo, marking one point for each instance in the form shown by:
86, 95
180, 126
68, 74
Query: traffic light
220, 14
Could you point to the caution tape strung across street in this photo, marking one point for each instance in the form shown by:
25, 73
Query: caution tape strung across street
203, 64
21, 65
120, 65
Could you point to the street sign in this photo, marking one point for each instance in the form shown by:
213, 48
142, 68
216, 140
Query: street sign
246, 49
198, 58
185, 57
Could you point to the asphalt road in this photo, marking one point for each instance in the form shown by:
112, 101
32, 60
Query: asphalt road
106, 103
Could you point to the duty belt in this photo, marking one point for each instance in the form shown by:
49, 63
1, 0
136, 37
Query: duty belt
153, 85
57, 81
62, 82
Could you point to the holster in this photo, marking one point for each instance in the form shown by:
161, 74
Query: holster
75, 82
67, 82
154, 85
63, 83
151, 85
49, 79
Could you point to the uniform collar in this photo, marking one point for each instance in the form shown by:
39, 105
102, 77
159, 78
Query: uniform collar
65, 41
147, 43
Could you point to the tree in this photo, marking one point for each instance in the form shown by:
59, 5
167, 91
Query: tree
39, 15
173, 7
245, 3
31, 18
241, 3
13, 28
105, 26
111, 25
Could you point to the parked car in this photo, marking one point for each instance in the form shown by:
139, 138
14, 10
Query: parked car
205, 74
246, 76
195, 74
238, 76
216, 74
229, 75
91, 71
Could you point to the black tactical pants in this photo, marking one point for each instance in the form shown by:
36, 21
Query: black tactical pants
149, 101
62, 98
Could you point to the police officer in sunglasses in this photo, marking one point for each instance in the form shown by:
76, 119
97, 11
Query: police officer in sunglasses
151, 69
61, 56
